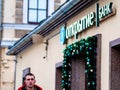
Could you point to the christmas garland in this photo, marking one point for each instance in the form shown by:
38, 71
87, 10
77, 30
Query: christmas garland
88, 46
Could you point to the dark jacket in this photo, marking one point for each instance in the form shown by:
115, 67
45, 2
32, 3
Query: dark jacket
36, 86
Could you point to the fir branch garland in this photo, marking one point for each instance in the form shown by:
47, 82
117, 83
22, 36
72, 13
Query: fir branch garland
89, 46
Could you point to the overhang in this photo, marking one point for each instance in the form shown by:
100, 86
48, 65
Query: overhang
68, 10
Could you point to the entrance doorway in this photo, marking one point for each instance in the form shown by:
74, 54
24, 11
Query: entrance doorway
78, 73
115, 65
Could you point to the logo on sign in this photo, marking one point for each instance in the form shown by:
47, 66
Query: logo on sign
62, 35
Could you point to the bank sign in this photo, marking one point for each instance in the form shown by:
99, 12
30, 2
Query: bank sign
85, 22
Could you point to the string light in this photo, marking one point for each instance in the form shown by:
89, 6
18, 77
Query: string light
88, 46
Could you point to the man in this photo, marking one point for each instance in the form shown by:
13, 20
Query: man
30, 83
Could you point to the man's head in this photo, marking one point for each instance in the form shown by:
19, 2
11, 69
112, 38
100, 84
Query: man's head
30, 80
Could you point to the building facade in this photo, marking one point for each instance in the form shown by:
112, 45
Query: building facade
17, 18
76, 48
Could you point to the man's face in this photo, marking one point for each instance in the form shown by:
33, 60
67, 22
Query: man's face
30, 81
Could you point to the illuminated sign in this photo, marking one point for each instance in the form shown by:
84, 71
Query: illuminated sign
62, 35
86, 22
80, 25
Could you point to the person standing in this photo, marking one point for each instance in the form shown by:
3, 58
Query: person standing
30, 83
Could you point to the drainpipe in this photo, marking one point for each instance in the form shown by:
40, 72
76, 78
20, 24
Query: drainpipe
0, 20
0, 37
15, 73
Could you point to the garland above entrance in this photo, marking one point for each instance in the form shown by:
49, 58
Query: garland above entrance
88, 47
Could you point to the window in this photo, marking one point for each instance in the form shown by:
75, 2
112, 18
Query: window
58, 76
25, 71
37, 10
34, 11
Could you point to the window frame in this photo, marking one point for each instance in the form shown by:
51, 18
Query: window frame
25, 71
50, 10
37, 12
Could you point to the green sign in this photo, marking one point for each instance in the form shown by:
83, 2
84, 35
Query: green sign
87, 21
80, 25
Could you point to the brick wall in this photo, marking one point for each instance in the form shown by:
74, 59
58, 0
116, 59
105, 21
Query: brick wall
19, 19
19, 11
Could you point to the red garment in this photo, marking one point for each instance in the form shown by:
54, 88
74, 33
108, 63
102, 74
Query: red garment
23, 87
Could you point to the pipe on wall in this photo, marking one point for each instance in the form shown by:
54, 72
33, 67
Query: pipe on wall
0, 21
0, 35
